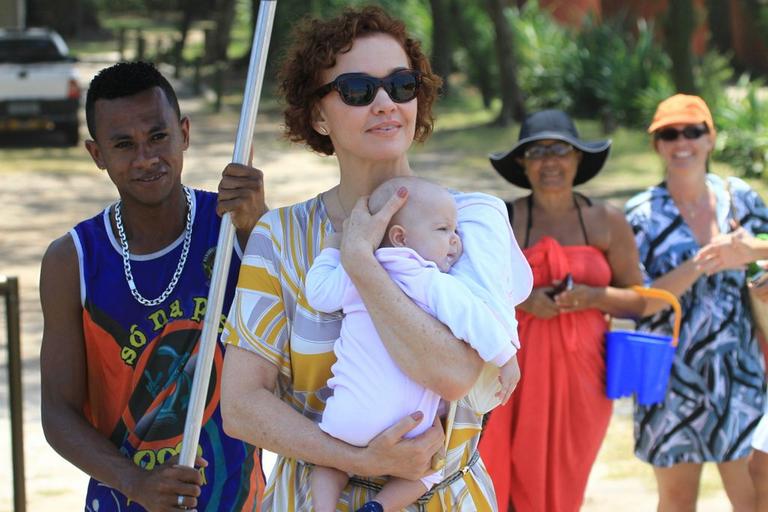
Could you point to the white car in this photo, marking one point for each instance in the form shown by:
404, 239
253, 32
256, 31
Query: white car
38, 83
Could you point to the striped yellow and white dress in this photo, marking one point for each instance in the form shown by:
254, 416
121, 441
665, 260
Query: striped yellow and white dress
270, 316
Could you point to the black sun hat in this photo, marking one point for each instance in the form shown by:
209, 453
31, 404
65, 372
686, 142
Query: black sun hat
550, 125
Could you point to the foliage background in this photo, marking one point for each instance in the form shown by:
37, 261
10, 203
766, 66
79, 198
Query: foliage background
514, 56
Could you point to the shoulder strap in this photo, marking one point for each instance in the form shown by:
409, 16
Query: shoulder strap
581, 219
585, 198
529, 221
731, 209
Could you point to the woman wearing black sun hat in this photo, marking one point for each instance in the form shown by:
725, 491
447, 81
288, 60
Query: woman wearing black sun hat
540, 447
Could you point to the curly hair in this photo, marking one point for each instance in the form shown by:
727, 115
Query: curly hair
316, 45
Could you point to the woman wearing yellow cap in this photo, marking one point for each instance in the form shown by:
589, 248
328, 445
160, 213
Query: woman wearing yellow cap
694, 232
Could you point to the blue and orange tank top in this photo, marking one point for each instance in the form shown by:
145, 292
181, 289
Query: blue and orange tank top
141, 360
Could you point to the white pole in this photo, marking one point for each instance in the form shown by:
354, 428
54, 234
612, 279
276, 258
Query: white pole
241, 154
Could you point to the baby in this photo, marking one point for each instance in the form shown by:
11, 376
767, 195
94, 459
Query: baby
370, 392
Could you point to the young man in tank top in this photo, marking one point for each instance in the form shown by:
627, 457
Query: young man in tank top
124, 296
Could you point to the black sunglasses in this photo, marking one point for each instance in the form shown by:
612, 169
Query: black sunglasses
359, 89
541, 151
690, 132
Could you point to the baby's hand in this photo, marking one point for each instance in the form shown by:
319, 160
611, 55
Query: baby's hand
509, 376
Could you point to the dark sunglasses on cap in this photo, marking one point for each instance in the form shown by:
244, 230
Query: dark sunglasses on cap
690, 132
359, 89
540, 151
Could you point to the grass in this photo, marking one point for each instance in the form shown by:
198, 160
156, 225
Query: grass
161, 29
460, 145
83, 49
463, 133
464, 136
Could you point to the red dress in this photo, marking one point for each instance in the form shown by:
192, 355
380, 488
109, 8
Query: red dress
540, 447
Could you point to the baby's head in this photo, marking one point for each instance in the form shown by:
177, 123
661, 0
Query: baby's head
427, 223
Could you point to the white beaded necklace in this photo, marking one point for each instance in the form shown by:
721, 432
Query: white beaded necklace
694, 208
127, 254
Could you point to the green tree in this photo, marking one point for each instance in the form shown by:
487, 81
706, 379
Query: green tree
547, 58
476, 53
442, 43
719, 22
190, 10
678, 25
71, 18
223, 16
512, 103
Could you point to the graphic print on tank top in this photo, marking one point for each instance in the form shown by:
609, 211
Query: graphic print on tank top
141, 360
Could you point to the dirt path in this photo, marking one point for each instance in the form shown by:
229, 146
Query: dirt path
44, 192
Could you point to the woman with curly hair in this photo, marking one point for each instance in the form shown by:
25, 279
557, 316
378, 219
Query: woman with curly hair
358, 87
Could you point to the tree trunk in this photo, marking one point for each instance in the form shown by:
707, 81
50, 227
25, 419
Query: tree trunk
287, 16
244, 60
223, 15
719, 20
512, 103
185, 23
441, 42
481, 78
70, 18
678, 29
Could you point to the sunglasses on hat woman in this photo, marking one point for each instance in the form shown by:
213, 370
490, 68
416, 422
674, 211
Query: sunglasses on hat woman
690, 132
541, 151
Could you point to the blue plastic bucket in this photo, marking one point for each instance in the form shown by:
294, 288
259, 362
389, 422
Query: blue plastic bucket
638, 363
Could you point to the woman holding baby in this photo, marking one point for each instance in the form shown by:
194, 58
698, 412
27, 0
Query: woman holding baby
358, 87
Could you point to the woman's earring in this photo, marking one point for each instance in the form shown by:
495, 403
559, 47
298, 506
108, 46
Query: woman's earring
323, 130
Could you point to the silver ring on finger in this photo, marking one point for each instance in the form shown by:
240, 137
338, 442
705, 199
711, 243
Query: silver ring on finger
180, 502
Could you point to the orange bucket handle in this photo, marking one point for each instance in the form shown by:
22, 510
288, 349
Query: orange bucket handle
669, 298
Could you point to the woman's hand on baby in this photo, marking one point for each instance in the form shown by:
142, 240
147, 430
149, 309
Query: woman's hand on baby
390, 454
509, 376
364, 231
